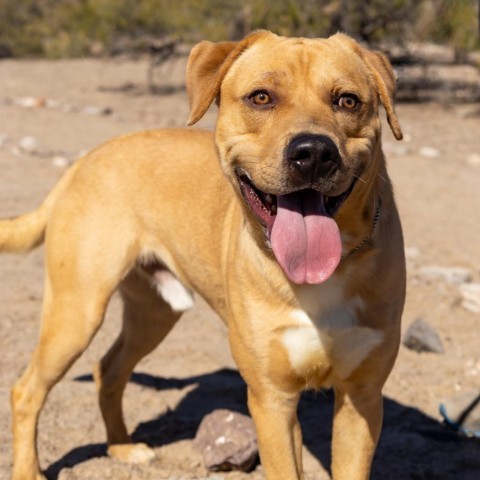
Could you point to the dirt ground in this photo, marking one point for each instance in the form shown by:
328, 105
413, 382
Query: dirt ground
436, 172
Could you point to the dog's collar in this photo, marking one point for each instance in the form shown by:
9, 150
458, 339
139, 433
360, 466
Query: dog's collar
367, 239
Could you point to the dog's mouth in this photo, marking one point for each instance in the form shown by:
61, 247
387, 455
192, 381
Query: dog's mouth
300, 227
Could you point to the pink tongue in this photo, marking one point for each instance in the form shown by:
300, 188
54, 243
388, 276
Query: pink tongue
305, 241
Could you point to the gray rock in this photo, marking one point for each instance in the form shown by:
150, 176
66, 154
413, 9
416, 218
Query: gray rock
470, 297
422, 337
452, 275
4, 139
227, 441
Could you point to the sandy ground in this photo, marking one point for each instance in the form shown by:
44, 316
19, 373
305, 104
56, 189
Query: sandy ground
436, 173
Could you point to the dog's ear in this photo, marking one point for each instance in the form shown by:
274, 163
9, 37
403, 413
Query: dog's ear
207, 65
386, 85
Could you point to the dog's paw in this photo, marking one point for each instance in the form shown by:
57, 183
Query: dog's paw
132, 453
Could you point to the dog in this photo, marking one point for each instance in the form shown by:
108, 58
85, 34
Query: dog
283, 219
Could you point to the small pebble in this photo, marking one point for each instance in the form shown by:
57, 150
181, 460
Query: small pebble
422, 337
452, 275
29, 102
470, 293
28, 144
412, 253
429, 152
473, 160
60, 161
4, 139
96, 111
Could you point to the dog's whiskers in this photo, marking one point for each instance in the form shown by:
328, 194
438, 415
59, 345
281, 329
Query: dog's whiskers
381, 177
360, 178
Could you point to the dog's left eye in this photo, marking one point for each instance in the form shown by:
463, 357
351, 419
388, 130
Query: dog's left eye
348, 101
260, 98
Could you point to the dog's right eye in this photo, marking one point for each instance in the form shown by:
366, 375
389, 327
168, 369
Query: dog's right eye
260, 98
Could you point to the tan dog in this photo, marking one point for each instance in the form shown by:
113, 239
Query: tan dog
295, 242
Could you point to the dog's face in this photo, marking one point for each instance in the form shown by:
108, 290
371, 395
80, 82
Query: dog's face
298, 124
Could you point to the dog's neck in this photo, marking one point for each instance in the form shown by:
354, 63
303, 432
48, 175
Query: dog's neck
368, 238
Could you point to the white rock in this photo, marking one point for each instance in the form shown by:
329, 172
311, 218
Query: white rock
473, 160
397, 149
412, 253
29, 102
28, 144
60, 161
452, 275
96, 111
471, 297
429, 152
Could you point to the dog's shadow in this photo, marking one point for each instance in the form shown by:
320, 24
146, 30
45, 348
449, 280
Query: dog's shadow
412, 446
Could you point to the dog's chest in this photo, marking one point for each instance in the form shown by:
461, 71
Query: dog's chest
325, 341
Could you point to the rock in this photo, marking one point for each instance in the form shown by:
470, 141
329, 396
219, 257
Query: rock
422, 337
67, 108
28, 144
473, 160
227, 441
4, 139
53, 104
452, 275
412, 253
60, 161
397, 149
470, 297
96, 111
29, 102
429, 152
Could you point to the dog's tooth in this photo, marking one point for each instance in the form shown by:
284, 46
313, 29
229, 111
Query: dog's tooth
274, 209
268, 198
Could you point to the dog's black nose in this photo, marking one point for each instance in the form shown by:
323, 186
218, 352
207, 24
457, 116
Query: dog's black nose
313, 156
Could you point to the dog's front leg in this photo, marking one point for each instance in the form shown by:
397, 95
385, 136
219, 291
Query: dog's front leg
278, 430
356, 428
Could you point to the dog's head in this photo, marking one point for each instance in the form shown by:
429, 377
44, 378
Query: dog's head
298, 124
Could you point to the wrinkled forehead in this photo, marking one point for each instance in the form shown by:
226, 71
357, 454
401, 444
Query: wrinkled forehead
297, 61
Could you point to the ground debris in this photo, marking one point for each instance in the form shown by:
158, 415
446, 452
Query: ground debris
227, 441
470, 293
422, 337
451, 275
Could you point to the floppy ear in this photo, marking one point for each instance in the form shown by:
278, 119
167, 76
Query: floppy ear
207, 65
386, 84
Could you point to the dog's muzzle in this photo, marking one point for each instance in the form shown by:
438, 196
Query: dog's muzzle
300, 228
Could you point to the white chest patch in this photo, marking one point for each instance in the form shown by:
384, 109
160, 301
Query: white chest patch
325, 338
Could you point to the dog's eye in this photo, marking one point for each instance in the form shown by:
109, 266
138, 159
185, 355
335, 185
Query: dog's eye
348, 101
260, 98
